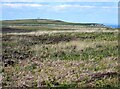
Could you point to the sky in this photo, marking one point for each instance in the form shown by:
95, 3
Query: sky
71, 11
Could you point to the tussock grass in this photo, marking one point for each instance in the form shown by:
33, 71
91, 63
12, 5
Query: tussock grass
61, 60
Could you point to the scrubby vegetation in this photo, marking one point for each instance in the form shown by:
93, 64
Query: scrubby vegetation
61, 60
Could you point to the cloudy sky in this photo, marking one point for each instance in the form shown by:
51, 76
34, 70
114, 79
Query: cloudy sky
97, 12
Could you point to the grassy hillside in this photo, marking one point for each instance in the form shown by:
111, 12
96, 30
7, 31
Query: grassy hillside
28, 25
42, 21
61, 60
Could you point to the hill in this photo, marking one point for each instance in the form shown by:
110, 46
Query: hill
37, 22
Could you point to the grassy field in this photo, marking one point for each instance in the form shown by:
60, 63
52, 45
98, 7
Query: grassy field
37, 22
46, 24
73, 59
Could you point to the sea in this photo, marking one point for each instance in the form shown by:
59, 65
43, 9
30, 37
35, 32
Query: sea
112, 26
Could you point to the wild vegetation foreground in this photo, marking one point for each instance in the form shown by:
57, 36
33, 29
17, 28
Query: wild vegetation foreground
71, 56
61, 60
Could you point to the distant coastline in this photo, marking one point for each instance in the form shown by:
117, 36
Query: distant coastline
112, 26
